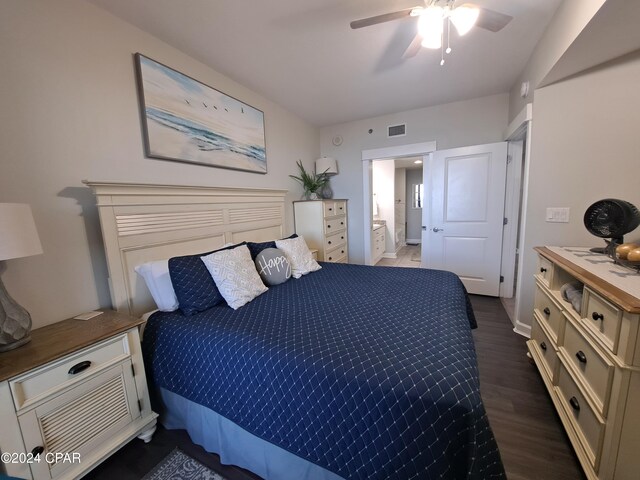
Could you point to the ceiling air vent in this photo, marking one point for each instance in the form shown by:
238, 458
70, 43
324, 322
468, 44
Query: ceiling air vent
397, 130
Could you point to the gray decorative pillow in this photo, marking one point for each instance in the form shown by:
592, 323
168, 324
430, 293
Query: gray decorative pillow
273, 266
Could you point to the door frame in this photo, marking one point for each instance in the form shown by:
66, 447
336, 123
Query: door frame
399, 151
520, 129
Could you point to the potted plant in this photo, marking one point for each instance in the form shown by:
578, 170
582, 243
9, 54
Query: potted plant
312, 183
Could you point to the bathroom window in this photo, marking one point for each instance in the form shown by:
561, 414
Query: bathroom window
418, 195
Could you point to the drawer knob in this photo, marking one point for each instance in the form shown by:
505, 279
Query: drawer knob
543, 345
341, 223
581, 357
329, 242
39, 450
342, 237
328, 226
79, 367
575, 404
547, 311
597, 316
330, 258
543, 270
342, 251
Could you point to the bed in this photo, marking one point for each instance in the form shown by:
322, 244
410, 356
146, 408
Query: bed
350, 372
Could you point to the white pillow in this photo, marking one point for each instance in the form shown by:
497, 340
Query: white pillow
299, 256
235, 275
156, 276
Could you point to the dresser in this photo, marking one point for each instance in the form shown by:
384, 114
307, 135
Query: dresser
323, 224
590, 359
72, 396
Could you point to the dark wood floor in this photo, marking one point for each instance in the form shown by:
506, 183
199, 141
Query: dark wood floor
532, 442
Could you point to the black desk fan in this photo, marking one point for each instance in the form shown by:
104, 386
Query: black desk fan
611, 218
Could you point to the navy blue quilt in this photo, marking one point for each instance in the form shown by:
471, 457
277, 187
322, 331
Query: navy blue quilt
370, 372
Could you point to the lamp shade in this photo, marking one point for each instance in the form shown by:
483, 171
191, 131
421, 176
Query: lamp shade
18, 234
326, 165
464, 18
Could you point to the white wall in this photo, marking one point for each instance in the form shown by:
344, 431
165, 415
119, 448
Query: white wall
584, 148
457, 124
414, 215
400, 214
566, 25
70, 112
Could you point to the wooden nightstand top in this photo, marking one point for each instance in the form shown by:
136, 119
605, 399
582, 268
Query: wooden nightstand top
59, 339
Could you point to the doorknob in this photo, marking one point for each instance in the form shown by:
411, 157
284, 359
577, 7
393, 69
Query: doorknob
436, 229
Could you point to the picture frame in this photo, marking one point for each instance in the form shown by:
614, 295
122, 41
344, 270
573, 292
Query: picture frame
185, 120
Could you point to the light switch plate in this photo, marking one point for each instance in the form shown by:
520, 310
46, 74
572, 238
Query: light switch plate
558, 214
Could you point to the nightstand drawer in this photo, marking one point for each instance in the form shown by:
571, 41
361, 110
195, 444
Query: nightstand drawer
602, 318
593, 369
40, 383
550, 314
335, 240
586, 423
335, 225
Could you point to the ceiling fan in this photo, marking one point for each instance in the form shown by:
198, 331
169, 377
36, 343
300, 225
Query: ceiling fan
435, 18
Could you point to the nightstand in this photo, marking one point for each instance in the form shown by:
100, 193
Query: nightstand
78, 388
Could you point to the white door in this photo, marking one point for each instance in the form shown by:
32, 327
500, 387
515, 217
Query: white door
463, 220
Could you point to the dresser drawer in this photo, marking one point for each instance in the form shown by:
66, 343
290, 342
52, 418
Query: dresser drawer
545, 348
602, 318
29, 388
334, 225
586, 423
544, 270
336, 255
331, 208
335, 240
593, 369
550, 314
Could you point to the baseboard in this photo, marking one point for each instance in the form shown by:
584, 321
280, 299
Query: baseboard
522, 329
389, 255
413, 240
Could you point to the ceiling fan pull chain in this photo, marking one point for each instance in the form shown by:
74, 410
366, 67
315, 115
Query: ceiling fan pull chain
448, 35
442, 47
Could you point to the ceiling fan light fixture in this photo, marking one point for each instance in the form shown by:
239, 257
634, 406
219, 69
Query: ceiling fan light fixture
430, 27
464, 18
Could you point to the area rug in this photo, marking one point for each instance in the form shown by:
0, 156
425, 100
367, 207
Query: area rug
180, 466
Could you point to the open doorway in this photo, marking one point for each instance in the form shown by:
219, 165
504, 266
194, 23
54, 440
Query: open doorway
397, 211
368, 157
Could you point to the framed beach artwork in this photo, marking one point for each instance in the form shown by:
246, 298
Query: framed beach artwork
187, 121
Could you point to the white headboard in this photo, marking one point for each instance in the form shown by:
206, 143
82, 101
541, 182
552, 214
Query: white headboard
145, 222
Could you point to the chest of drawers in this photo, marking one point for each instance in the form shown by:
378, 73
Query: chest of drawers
72, 396
323, 224
588, 354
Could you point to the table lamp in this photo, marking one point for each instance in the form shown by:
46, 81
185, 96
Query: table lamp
18, 238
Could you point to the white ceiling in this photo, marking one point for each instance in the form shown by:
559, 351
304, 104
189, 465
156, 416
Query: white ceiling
303, 55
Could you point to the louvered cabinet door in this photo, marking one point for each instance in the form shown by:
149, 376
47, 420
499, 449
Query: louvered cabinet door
80, 419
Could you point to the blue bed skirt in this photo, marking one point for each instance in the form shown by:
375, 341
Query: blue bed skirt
235, 445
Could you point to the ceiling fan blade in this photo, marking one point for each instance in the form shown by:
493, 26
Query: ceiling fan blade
413, 48
492, 20
387, 17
